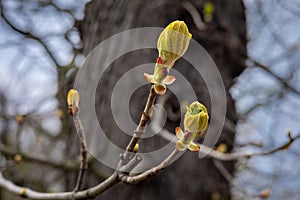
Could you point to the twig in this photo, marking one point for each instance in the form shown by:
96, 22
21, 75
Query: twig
145, 119
127, 163
151, 172
131, 164
195, 15
225, 173
7, 164
85, 194
71, 164
236, 155
281, 80
67, 165
83, 150
91, 192
222, 169
27, 34
18, 135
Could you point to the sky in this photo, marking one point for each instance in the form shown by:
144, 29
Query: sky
274, 42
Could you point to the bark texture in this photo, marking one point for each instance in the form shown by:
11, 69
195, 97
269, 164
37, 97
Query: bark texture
225, 40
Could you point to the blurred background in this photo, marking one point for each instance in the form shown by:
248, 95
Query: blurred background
254, 43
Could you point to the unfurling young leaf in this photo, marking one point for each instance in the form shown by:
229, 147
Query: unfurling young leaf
195, 122
172, 44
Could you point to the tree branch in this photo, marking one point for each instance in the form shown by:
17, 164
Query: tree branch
67, 165
91, 192
151, 172
281, 80
236, 155
85, 194
195, 15
26, 34
83, 150
145, 119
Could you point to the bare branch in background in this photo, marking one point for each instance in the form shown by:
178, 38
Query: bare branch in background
195, 15
235, 155
283, 82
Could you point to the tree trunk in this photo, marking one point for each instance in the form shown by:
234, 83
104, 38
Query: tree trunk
225, 40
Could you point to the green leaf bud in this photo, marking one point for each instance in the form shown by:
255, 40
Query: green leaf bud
173, 42
196, 118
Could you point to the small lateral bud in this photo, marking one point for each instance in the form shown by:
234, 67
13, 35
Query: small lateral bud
19, 119
59, 114
266, 193
208, 11
17, 158
222, 148
136, 148
22, 192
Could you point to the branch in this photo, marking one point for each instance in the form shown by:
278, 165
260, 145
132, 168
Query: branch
281, 80
85, 194
151, 172
91, 192
83, 150
229, 178
72, 164
67, 165
115, 178
26, 34
195, 15
236, 155
145, 119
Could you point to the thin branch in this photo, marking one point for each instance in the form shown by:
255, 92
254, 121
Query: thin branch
288, 7
151, 172
131, 164
83, 151
26, 34
145, 119
115, 178
195, 15
91, 192
67, 165
85, 194
236, 155
18, 134
281, 80
270, 27
271, 98
229, 178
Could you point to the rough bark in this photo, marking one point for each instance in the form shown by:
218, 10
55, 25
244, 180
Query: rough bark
225, 40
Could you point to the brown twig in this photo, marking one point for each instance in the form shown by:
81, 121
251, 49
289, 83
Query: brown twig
85, 194
229, 178
195, 15
39, 158
72, 164
151, 172
211, 153
83, 151
91, 192
145, 119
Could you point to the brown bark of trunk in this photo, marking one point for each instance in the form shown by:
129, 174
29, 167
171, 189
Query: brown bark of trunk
225, 40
